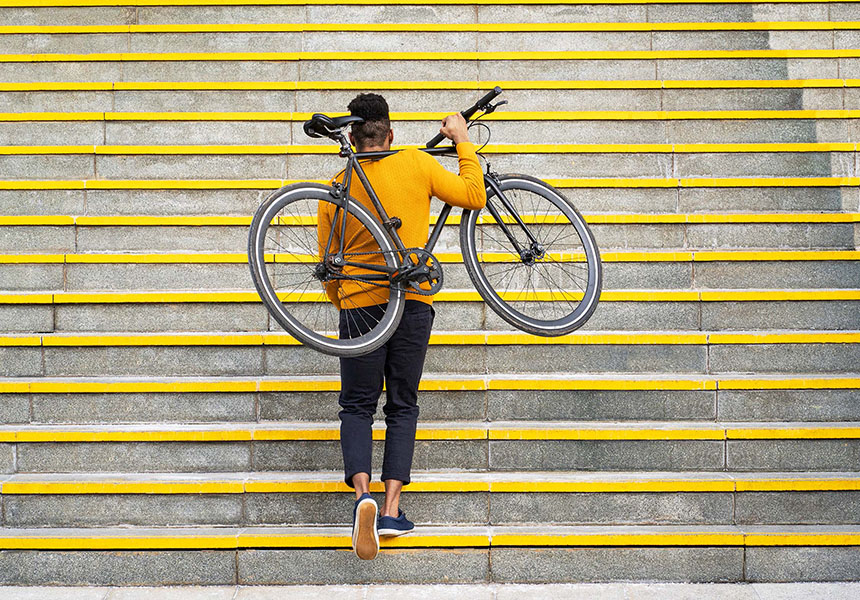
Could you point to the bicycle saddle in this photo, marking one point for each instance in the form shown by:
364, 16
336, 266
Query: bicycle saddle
321, 125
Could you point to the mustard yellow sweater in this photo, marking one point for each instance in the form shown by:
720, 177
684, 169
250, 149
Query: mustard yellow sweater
404, 183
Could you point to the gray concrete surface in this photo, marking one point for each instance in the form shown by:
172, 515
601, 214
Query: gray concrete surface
597, 591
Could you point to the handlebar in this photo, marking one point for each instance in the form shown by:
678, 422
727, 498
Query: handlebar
467, 114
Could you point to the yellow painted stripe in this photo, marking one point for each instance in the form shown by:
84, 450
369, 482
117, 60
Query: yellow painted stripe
605, 434
777, 295
802, 539
786, 433
829, 337
494, 339
227, 435
796, 485
123, 487
432, 56
602, 219
25, 298
789, 383
445, 296
428, 27
602, 384
620, 539
476, 383
433, 85
574, 183
118, 387
123, 542
642, 486
609, 256
250, 538
480, 432
19, 340
464, 485
578, 115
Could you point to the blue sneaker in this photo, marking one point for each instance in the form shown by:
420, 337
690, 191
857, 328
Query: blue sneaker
392, 526
365, 539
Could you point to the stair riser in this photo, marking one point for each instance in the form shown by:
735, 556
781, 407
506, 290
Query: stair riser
584, 131
521, 565
428, 100
616, 276
418, 41
495, 405
101, 361
784, 164
473, 508
633, 316
436, 70
245, 202
515, 455
636, 13
234, 239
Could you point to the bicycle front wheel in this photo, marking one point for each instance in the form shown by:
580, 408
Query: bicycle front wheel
539, 269
284, 257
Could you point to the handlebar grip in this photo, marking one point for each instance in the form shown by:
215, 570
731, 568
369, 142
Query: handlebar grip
432, 143
467, 114
483, 101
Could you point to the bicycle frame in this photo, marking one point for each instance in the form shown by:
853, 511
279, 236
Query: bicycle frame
390, 225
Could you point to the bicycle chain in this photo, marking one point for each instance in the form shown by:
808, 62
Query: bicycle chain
411, 289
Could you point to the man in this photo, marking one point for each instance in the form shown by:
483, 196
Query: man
404, 182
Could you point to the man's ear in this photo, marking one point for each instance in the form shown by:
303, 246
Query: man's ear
390, 136
351, 139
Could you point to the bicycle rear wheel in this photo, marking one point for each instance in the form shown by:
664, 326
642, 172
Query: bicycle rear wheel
284, 257
551, 286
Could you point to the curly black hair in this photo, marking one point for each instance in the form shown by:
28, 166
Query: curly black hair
374, 110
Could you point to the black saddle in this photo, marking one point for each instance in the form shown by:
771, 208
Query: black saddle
321, 125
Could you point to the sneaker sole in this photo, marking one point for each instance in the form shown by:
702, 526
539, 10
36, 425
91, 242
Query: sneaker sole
365, 539
394, 532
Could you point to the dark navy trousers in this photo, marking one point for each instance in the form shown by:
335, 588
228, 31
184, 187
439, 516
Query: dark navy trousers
398, 364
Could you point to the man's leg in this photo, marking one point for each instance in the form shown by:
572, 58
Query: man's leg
361, 380
403, 367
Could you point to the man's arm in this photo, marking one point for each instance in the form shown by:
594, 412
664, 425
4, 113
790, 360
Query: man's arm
466, 189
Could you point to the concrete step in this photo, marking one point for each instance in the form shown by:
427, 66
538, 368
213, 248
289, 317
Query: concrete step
511, 37
621, 270
230, 238
546, 160
113, 98
222, 354
640, 65
254, 556
640, 396
199, 197
238, 311
34, 13
572, 127
296, 498
502, 446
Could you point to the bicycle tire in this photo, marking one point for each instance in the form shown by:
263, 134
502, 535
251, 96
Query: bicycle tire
283, 255
553, 295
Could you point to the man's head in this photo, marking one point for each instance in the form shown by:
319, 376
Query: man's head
375, 132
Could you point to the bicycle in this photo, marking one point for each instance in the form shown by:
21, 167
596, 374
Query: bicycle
529, 253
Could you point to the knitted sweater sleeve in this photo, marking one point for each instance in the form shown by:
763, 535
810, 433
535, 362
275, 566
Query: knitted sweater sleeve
466, 189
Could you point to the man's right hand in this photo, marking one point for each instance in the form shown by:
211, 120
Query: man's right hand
454, 128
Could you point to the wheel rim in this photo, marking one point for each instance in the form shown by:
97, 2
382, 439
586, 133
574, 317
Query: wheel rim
285, 264
553, 287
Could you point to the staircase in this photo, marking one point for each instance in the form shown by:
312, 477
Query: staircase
158, 429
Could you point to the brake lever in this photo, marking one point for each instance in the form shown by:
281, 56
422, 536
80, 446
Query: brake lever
492, 107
